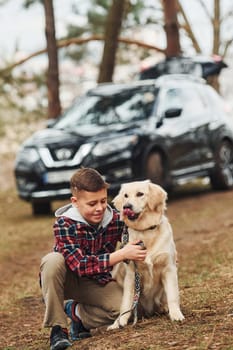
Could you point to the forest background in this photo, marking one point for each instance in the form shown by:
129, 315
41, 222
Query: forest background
67, 47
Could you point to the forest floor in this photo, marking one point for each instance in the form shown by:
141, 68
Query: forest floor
202, 221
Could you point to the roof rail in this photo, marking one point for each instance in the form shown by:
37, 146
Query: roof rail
190, 77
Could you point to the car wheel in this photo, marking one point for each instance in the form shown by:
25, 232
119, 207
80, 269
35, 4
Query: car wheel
155, 168
222, 177
41, 208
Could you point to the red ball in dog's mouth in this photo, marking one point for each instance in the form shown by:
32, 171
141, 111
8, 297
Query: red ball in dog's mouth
131, 215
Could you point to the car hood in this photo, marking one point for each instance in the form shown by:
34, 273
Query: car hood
51, 136
80, 135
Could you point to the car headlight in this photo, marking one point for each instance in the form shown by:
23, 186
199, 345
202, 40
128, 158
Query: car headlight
28, 155
82, 152
104, 148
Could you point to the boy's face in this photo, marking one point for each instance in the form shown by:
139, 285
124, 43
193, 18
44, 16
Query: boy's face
91, 205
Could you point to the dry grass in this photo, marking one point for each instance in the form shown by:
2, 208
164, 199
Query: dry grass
203, 229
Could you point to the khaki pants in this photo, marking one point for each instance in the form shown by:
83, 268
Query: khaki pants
99, 305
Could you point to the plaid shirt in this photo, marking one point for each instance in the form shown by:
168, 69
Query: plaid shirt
86, 249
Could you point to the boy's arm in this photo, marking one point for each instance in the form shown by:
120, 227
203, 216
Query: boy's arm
67, 243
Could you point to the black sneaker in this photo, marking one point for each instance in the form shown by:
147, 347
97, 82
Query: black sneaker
59, 338
77, 329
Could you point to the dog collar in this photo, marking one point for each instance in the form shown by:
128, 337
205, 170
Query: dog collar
152, 227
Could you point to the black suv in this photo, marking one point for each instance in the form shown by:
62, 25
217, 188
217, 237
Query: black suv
171, 128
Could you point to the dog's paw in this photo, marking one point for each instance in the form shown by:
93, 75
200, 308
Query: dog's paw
176, 315
123, 321
115, 325
120, 322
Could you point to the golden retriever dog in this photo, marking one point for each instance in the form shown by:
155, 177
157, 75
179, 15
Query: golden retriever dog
142, 206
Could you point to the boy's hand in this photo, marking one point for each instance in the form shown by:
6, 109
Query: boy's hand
134, 251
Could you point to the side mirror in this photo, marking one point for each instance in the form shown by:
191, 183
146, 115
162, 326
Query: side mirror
172, 112
50, 122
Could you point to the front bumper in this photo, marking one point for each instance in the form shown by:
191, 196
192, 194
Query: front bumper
46, 187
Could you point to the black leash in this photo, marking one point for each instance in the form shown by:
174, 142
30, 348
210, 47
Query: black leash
137, 286
137, 292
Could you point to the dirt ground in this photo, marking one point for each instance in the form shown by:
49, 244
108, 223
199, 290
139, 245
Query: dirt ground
202, 221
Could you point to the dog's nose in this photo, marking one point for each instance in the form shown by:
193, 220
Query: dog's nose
128, 206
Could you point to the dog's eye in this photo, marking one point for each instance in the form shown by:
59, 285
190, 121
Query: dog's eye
125, 195
140, 194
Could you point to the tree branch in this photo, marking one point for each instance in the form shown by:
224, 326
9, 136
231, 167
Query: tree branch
79, 41
203, 5
227, 45
187, 27
227, 16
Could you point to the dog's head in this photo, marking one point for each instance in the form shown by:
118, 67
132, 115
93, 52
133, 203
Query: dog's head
141, 204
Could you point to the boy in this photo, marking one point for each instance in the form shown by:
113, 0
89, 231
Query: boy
79, 270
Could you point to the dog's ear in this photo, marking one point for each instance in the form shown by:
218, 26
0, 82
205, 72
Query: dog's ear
157, 198
117, 201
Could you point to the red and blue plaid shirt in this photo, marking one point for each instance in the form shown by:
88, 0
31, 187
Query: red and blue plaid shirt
86, 249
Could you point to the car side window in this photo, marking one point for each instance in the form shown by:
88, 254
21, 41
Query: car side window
173, 99
216, 102
193, 104
138, 106
188, 99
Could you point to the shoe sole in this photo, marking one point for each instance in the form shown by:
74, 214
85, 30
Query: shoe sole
81, 335
62, 345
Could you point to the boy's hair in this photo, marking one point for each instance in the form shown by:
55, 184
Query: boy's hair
87, 179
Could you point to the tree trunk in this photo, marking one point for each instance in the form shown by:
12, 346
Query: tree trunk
171, 28
54, 106
113, 27
216, 27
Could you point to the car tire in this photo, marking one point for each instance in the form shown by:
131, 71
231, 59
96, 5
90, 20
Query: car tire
155, 168
41, 208
222, 176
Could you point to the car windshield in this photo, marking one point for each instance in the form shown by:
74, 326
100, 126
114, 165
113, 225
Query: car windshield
125, 107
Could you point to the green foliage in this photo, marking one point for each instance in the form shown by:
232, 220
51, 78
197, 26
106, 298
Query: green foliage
77, 53
2, 128
28, 3
137, 14
75, 31
15, 88
91, 20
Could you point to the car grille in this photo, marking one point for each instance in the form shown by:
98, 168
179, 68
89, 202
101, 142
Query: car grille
63, 153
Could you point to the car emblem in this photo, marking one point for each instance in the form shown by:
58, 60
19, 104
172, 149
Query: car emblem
63, 153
